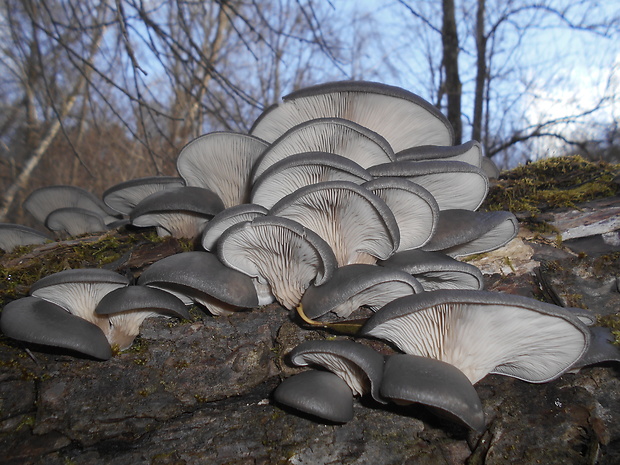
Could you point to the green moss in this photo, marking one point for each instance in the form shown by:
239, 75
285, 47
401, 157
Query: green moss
552, 183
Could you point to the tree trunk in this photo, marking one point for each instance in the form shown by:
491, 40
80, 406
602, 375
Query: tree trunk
481, 72
450, 63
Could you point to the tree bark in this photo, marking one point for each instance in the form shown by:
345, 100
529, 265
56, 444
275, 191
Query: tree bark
450, 63
481, 71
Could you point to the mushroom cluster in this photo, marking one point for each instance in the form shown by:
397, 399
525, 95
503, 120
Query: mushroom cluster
344, 196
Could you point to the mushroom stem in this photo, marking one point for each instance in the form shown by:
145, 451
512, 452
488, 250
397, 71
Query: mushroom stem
349, 327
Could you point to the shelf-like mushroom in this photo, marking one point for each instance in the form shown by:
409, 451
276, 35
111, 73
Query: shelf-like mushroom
469, 152
16, 235
227, 218
75, 221
124, 196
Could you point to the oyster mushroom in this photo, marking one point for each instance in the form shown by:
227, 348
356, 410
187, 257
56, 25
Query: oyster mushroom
39, 321
484, 332
225, 219
16, 235
75, 221
124, 196
279, 252
469, 152
358, 225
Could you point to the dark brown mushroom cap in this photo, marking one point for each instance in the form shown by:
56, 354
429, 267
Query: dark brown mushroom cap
292, 173
141, 298
436, 270
358, 225
401, 117
358, 365
75, 221
318, 393
484, 332
221, 162
201, 273
227, 218
38, 321
433, 383
454, 184
357, 285
464, 232
280, 252
469, 152
124, 196
16, 235
328, 135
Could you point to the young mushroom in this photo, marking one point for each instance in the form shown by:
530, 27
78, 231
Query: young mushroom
469, 152
75, 221
124, 196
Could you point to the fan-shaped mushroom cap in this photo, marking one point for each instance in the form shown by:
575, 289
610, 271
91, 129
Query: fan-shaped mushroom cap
180, 212
318, 393
415, 209
465, 232
358, 365
401, 117
436, 270
358, 225
454, 184
484, 332
202, 278
124, 196
221, 162
79, 291
226, 218
412, 379
292, 173
601, 349
280, 252
41, 202
38, 321
332, 135
358, 285
75, 221
490, 168
128, 307
16, 235
469, 152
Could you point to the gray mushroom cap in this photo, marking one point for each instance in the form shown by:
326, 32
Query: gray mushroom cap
280, 252
75, 221
465, 232
401, 117
291, 173
221, 162
416, 211
180, 212
202, 278
227, 218
358, 365
469, 152
124, 196
318, 393
433, 383
484, 332
328, 135
357, 285
436, 270
454, 184
38, 321
602, 348
358, 225
16, 235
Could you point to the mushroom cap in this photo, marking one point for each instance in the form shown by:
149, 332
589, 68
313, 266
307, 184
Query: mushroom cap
124, 196
221, 162
38, 321
601, 349
75, 221
280, 252
436, 270
358, 365
357, 285
465, 232
401, 117
490, 168
16, 235
415, 209
291, 173
358, 225
225, 219
41, 202
470, 152
332, 135
181, 212
199, 275
318, 393
484, 332
454, 184
410, 378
